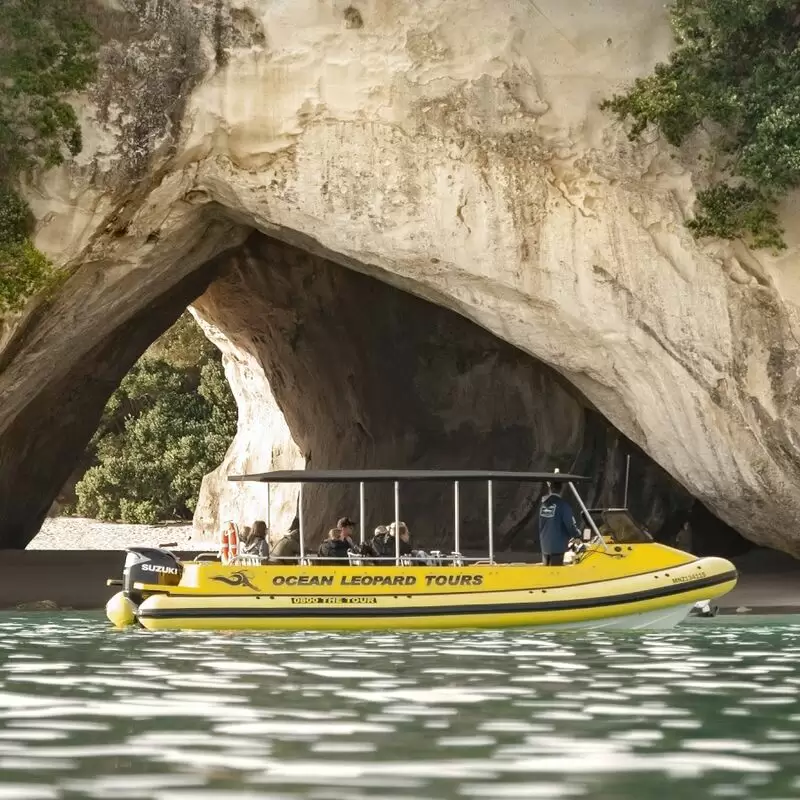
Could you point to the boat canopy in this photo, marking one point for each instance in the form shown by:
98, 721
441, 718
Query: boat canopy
398, 476
378, 475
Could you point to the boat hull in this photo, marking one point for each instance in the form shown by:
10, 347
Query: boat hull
416, 598
627, 618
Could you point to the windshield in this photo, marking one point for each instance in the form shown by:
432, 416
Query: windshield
620, 526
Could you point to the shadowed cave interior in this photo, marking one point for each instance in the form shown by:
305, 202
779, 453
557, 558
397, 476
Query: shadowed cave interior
370, 376
366, 376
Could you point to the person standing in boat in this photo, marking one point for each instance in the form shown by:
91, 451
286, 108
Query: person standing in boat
556, 527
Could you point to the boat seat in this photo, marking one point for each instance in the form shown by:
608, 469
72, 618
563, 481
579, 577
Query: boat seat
247, 560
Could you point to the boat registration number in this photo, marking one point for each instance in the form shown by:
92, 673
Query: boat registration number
688, 578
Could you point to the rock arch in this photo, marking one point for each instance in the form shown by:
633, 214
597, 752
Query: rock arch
473, 172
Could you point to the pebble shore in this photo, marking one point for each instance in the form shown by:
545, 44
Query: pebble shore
77, 533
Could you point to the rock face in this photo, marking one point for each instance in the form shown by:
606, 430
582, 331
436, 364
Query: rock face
474, 171
41, 446
263, 440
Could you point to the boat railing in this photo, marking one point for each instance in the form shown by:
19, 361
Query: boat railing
434, 558
246, 559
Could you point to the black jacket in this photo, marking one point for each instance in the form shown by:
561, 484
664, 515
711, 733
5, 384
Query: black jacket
556, 525
333, 548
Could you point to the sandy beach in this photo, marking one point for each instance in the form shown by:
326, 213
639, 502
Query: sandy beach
47, 571
78, 533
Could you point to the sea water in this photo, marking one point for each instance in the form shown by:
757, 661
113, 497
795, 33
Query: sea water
709, 709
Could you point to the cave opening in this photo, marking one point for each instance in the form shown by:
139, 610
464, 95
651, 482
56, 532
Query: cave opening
333, 368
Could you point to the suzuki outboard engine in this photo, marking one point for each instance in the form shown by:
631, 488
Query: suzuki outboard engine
149, 565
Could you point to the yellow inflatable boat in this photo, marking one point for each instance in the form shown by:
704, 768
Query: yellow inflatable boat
617, 577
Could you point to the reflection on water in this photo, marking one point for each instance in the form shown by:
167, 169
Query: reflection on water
707, 710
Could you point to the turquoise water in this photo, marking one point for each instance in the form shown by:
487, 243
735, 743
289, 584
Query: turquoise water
707, 710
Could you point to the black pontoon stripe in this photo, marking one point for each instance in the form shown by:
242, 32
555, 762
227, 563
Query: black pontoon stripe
377, 475
308, 610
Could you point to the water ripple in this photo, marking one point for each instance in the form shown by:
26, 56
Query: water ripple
706, 710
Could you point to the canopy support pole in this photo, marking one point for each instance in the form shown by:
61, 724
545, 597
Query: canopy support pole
490, 500
300, 520
588, 516
456, 512
397, 523
269, 517
627, 475
361, 510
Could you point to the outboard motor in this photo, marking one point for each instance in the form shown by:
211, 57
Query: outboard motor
149, 565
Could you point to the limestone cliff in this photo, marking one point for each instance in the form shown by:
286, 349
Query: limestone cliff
263, 442
452, 149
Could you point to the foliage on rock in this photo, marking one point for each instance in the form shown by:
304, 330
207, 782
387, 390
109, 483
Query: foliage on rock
152, 56
169, 423
736, 64
47, 50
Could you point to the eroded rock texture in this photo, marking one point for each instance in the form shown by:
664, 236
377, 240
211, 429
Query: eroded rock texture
475, 171
263, 441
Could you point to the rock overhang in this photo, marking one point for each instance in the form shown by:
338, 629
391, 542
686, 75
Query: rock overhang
475, 172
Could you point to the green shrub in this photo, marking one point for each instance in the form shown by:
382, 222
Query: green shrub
23, 272
47, 50
733, 211
736, 63
169, 423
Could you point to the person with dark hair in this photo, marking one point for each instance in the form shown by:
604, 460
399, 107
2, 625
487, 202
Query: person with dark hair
556, 527
256, 543
348, 529
287, 548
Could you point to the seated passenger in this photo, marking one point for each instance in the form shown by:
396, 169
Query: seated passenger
378, 541
287, 548
334, 547
256, 543
348, 529
405, 539
368, 552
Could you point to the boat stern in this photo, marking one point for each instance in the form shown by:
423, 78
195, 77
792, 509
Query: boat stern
144, 567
